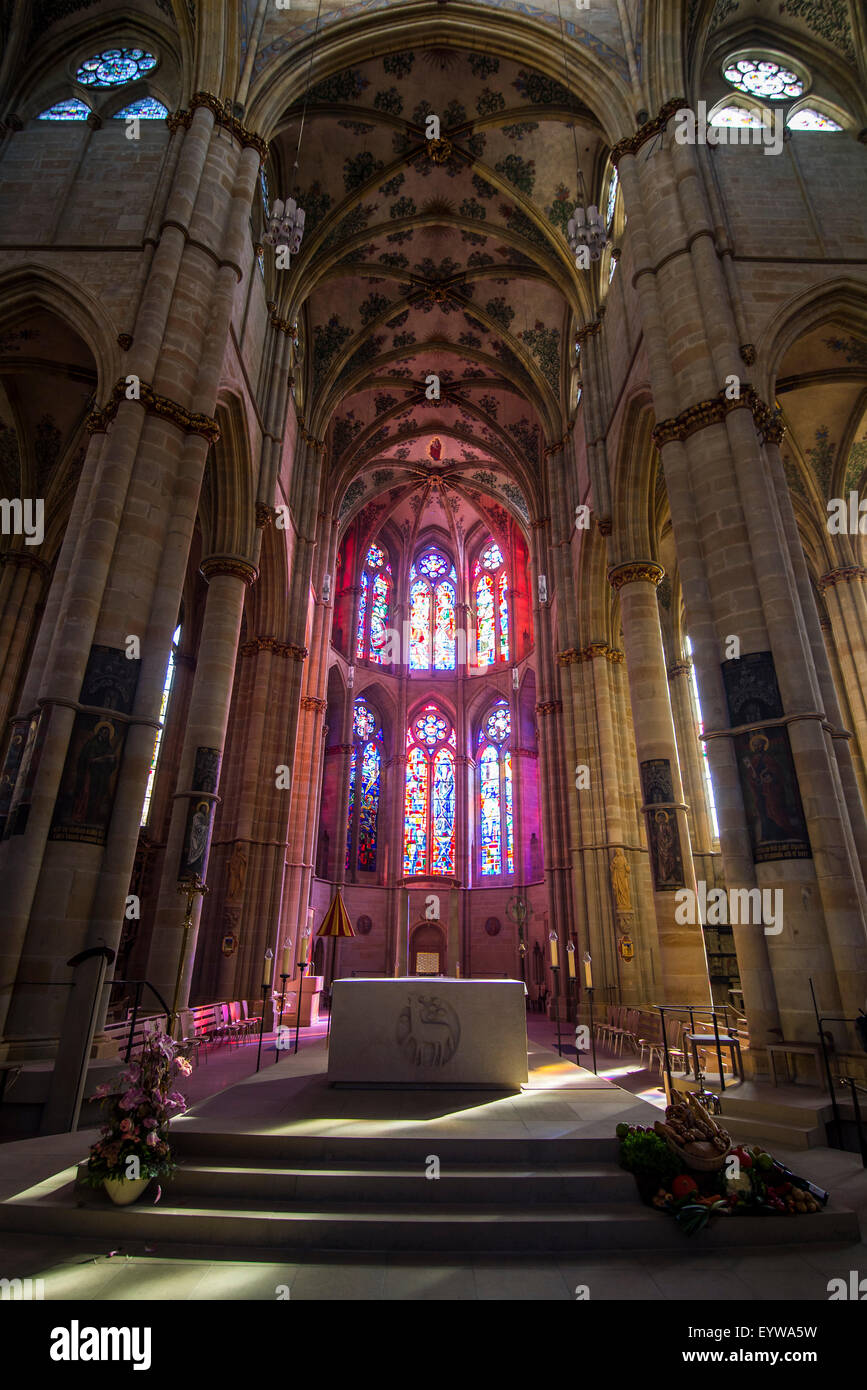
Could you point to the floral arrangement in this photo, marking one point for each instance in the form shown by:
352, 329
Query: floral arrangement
133, 1142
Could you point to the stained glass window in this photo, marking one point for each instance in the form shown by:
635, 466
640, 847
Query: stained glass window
263, 185
115, 67
72, 110
763, 78
148, 109
808, 118
699, 731
736, 116
612, 199
496, 826
365, 772
491, 592
164, 705
429, 819
433, 598
371, 633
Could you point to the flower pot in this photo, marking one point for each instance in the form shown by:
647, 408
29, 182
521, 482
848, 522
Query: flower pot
124, 1191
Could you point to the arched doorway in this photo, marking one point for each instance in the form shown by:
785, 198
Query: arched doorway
427, 950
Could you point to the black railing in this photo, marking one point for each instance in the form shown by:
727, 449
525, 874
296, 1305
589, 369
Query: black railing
821, 1020
697, 1011
140, 985
859, 1121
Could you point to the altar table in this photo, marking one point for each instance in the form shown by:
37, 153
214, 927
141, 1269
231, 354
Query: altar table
403, 1033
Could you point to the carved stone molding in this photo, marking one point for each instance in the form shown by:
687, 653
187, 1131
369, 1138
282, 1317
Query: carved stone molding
125, 341
296, 652
590, 329
679, 668
550, 707
271, 644
313, 702
632, 144
264, 515
748, 354
713, 411
234, 565
439, 151
844, 575
635, 570
98, 421
222, 113
589, 653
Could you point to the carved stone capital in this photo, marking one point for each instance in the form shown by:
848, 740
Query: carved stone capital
636, 570
748, 354
312, 702
264, 515
844, 575
679, 668
190, 422
714, 411
234, 565
550, 707
222, 113
632, 143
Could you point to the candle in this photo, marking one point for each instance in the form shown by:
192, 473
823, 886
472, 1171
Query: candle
588, 973
457, 972
570, 960
555, 954
286, 963
269, 957
305, 948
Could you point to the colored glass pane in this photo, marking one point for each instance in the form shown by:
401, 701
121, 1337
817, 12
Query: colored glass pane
353, 762
489, 783
736, 115
368, 806
443, 850
510, 832
444, 627
147, 109
485, 620
379, 619
362, 610
498, 725
164, 705
72, 110
419, 626
364, 721
763, 78
612, 198
504, 617
431, 728
492, 557
115, 67
263, 185
415, 813
810, 119
375, 558
433, 565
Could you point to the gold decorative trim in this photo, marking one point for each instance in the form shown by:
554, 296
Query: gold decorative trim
234, 565
271, 644
589, 653
632, 143
634, 571
439, 151
264, 515
222, 113
98, 421
843, 575
313, 702
713, 412
298, 653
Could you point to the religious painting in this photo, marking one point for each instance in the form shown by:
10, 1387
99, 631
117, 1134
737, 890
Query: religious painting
110, 679
751, 688
22, 794
200, 816
9, 775
89, 782
665, 856
772, 800
656, 783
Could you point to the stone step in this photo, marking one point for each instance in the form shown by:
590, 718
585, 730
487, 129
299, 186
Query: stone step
409, 1227
777, 1112
254, 1149
757, 1130
397, 1183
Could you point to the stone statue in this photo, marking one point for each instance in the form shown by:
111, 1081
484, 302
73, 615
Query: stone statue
237, 872
620, 872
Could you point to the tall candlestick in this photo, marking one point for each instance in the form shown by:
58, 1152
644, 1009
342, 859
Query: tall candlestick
286, 962
269, 960
305, 948
588, 973
555, 953
570, 959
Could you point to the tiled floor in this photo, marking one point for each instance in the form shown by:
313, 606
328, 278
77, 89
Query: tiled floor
290, 1094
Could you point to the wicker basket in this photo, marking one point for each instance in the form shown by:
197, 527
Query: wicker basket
698, 1162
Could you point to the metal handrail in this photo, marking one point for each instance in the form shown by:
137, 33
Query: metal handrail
139, 986
855, 1088
693, 1009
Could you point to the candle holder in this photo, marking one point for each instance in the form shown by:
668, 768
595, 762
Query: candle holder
193, 887
556, 972
278, 1035
266, 985
302, 966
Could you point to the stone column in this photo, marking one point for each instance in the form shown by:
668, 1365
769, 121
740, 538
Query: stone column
690, 756
683, 960
23, 580
845, 597
198, 779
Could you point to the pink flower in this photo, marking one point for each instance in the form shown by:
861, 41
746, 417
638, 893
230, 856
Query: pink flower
152, 1139
125, 1126
150, 1122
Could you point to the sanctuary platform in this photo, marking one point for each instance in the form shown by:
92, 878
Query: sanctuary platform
411, 1032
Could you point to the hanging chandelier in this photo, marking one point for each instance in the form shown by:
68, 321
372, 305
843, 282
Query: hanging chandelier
285, 226
585, 229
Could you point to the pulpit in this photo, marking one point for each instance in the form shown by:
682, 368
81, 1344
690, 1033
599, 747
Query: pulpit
311, 988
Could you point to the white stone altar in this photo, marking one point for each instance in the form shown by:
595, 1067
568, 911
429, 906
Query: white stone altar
428, 1032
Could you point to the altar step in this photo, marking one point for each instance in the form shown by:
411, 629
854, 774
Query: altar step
558, 1197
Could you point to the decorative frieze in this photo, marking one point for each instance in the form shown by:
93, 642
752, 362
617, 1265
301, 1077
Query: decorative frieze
271, 644
98, 421
313, 702
264, 515
844, 575
593, 651
714, 411
634, 571
549, 707
234, 565
223, 116
632, 144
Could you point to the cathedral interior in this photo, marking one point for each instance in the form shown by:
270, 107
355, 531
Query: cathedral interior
432, 475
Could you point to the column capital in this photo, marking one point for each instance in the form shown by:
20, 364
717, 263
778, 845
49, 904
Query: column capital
680, 668
845, 574
234, 565
713, 411
634, 571
223, 116
550, 707
188, 421
632, 143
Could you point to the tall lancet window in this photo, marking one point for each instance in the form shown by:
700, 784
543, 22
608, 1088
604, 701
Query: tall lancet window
365, 776
496, 824
164, 705
429, 819
371, 634
432, 606
491, 593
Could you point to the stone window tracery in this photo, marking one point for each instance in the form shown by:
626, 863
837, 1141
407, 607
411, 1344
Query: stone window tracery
365, 784
496, 821
429, 805
115, 67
